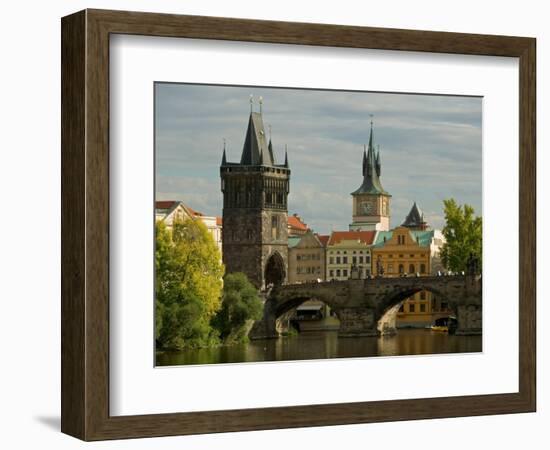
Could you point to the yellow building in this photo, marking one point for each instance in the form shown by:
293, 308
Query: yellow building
346, 249
409, 252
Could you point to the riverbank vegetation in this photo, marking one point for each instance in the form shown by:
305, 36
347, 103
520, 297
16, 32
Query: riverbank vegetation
463, 235
194, 308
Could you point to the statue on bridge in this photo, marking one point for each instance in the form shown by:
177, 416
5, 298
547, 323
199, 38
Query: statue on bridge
379, 267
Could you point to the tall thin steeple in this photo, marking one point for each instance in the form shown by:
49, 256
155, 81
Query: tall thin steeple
371, 169
224, 158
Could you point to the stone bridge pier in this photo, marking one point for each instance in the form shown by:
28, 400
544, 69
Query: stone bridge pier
368, 307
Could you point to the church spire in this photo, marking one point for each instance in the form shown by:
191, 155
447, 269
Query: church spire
286, 156
224, 158
371, 168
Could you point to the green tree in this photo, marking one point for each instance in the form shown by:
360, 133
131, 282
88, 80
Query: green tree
463, 235
241, 306
188, 285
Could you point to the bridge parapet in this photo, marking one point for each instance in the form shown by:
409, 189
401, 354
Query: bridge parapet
360, 304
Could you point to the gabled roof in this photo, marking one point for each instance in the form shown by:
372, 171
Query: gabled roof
423, 238
415, 218
366, 237
296, 223
167, 206
255, 150
323, 239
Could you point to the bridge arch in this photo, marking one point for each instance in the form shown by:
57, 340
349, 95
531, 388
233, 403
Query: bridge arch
389, 303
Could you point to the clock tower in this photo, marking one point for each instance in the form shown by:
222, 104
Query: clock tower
371, 203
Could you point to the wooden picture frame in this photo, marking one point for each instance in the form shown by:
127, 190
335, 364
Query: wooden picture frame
85, 224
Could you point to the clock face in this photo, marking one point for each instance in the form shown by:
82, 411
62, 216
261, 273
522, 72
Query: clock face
368, 207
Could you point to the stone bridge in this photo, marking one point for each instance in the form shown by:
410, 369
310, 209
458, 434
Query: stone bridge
368, 307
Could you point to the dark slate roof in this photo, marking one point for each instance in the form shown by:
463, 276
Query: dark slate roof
371, 171
256, 150
415, 218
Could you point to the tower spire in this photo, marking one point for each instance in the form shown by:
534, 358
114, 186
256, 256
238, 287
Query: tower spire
224, 159
286, 156
364, 160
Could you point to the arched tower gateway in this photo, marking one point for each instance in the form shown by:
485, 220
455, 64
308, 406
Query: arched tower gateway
371, 203
255, 212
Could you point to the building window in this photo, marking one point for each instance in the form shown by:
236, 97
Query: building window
412, 256
390, 268
401, 269
367, 259
331, 260
345, 260
337, 272
331, 273
422, 268
274, 227
345, 272
354, 259
337, 260
422, 307
411, 307
422, 295
411, 268
360, 260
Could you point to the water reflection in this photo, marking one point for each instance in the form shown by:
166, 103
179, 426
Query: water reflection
322, 345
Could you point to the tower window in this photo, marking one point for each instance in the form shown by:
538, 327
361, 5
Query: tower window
274, 227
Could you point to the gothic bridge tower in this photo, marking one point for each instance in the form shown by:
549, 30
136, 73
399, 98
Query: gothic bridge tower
255, 212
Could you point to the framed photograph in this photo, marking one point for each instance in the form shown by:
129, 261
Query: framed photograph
272, 225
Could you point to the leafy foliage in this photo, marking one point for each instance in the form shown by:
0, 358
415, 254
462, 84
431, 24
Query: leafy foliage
240, 307
463, 235
188, 285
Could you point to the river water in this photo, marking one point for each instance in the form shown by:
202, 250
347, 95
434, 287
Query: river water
326, 344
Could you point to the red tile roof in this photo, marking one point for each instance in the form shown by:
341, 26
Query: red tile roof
323, 238
219, 221
193, 212
164, 204
366, 237
295, 222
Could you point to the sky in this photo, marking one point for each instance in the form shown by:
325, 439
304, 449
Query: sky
430, 147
